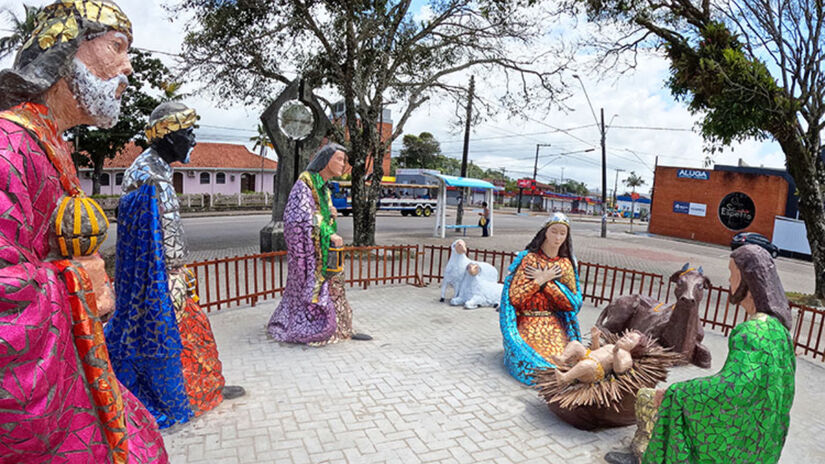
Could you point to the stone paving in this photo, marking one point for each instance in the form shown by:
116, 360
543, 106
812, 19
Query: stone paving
431, 387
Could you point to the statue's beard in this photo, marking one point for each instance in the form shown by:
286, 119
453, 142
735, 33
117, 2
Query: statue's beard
97, 97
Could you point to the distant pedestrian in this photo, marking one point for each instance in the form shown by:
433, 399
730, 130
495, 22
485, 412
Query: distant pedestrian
484, 222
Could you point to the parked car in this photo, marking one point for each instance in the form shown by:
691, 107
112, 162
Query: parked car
754, 238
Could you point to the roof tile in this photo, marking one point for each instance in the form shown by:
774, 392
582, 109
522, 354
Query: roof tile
205, 155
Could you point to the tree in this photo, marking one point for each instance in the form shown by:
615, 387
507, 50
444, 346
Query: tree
572, 186
21, 29
93, 146
633, 181
367, 52
753, 69
419, 151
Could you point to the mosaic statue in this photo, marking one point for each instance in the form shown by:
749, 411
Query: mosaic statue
455, 269
314, 308
540, 301
59, 398
676, 326
742, 413
478, 287
160, 341
590, 365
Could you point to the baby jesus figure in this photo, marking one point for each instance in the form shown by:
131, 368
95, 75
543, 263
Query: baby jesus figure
592, 365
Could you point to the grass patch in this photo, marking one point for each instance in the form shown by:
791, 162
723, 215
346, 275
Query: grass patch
803, 299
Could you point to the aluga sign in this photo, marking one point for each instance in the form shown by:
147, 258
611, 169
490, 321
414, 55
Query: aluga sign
693, 174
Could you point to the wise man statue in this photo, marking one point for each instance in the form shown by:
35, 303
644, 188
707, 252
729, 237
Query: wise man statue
314, 309
59, 398
160, 340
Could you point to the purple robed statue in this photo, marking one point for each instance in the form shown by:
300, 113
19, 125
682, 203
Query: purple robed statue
314, 308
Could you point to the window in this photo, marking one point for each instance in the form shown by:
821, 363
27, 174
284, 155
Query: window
104, 179
119, 178
220, 178
204, 178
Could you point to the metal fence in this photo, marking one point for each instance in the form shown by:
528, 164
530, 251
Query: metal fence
227, 282
238, 280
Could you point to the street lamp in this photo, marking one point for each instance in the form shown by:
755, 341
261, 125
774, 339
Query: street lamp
604, 156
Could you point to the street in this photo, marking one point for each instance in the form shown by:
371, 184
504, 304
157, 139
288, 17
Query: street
220, 236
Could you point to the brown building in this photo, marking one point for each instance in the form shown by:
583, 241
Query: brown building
714, 205
384, 126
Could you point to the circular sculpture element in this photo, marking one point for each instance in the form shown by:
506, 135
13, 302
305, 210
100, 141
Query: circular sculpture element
296, 120
736, 211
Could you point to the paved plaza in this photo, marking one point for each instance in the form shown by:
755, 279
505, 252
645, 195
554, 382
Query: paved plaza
431, 387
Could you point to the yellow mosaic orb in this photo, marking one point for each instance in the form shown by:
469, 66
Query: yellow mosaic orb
80, 225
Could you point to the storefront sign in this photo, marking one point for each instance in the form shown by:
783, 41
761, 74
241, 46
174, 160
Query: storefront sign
693, 209
736, 211
693, 174
698, 209
681, 207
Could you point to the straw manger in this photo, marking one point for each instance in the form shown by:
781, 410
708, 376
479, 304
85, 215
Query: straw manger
612, 391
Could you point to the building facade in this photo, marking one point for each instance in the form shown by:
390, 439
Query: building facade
714, 205
214, 168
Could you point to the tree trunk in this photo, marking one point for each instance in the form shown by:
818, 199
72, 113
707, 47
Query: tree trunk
97, 165
363, 210
803, 165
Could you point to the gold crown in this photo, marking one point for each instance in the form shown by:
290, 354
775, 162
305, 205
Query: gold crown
171, 123
59, 22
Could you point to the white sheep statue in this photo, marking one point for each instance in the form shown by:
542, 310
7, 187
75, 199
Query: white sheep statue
455, 269
479, 287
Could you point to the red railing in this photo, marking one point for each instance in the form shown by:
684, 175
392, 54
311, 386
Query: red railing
227, 282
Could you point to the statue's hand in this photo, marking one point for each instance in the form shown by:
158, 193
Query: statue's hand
540, 276
95, 268
336, 240
334, 212
658, 397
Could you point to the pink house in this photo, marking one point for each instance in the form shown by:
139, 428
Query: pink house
214, 168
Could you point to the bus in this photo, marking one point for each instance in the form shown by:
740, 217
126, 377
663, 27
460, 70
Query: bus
409, 199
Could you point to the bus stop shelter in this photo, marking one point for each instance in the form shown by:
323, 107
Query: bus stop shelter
445, 181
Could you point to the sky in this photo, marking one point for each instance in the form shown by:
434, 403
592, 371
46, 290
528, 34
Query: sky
632, 101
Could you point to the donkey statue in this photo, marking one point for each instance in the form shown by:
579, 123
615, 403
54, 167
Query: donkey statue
676, 326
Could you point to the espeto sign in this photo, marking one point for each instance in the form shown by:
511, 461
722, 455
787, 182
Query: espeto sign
693, 174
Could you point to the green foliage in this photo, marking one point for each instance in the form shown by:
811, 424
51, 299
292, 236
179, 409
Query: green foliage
419, 151
572, 186
93, 146
735, 93
21, 29
633, 181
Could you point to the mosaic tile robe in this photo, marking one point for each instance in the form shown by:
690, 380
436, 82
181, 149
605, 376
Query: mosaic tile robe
538, 321
742, 413
59, 399
314, 309
161, 343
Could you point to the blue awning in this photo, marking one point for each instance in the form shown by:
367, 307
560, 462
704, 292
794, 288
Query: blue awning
455, 181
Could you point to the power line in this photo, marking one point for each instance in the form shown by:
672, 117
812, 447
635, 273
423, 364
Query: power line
669, 129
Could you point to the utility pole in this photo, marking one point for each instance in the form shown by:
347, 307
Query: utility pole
615, 186
535, 171
460, 212
604, 180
